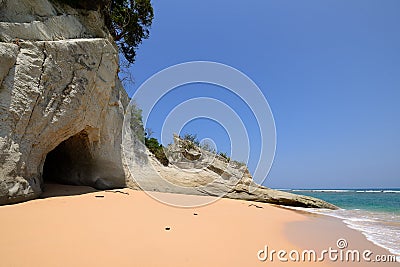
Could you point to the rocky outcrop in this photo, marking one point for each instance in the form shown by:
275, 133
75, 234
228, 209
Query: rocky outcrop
196, 171
62, 110
61, 103
41, 20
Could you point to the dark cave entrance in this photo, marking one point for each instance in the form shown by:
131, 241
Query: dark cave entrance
70, 162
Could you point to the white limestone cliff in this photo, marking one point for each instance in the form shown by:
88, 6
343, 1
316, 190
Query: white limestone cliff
59, 88
62, 109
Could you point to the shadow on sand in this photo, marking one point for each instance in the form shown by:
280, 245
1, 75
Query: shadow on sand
59, 190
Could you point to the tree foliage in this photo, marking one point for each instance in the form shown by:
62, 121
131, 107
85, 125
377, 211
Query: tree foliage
157, 150
225, 156
144, 135
190, 141
191, 138
128, 21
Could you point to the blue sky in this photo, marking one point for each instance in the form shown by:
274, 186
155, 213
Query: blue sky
330, 71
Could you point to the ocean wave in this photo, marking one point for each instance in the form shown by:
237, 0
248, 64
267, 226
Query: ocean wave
322, 190
391, 191
344, 190
378, 191
383, 229
385, 237
369, 191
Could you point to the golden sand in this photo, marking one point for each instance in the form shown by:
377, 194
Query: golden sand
78, 226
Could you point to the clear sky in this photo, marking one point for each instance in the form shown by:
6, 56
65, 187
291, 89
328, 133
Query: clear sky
330, 71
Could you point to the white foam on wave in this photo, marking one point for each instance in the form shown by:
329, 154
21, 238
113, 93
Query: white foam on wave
392, 191
383, 229
332, 190
378, 191
378, 235
323, 190
344, 190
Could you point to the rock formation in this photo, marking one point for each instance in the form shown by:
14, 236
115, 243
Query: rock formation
196, 171
62, 110
61, 103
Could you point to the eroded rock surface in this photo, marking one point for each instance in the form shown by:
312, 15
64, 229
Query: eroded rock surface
62, 109
199, 172
59, 89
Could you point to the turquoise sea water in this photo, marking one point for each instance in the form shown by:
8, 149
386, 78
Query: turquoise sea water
384, 200
374, 212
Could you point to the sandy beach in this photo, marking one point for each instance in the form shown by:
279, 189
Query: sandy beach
78, 226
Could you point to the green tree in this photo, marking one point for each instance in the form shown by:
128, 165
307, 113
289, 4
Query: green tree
191, 138
225, 156
128, 21
157, 150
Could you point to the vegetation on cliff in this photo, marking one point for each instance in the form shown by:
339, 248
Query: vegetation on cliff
128, 21
157, 150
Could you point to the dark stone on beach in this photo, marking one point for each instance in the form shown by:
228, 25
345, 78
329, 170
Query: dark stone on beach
258, 207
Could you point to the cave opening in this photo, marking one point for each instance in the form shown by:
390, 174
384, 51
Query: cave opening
70, 162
